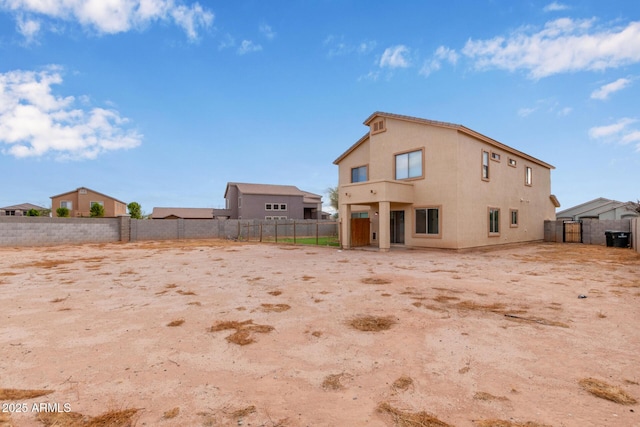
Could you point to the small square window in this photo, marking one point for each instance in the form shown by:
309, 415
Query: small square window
276, 207
268, 206
495, 156
512, 162
283, 207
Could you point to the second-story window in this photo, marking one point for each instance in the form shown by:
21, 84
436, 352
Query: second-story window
359, 174
409, 165
528, 176
485, 165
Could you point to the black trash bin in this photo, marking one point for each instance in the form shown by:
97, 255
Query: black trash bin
617, 239
609, 236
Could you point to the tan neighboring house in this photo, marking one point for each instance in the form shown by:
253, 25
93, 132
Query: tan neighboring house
422, 183
21, 209
80, 200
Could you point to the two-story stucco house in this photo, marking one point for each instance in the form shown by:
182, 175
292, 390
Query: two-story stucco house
423, 183
80, 200
267, 201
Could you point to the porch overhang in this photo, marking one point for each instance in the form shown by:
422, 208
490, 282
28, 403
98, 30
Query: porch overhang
364, 193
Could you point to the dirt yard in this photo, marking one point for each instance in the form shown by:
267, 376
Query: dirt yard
215, 333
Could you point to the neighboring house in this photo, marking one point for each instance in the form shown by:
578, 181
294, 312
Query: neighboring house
80, 200
21, 210
184, 213
423, 183
265, 201
600, 208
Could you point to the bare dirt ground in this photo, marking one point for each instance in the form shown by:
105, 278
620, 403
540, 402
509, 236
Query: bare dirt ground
208, 333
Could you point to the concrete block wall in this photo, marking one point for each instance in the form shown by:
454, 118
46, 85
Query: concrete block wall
144, 229
44, 231
593, 230
35, 231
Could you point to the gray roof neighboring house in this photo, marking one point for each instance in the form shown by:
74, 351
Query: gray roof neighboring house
272, 189
600, 208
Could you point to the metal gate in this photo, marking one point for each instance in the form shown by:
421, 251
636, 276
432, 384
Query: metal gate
359, 232
572, 231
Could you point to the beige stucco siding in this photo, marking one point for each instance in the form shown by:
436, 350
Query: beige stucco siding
451, 181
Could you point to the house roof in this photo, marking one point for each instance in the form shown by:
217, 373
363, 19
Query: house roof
23, 207
453, 126
595, 207
270, 189
86, 188
186, 213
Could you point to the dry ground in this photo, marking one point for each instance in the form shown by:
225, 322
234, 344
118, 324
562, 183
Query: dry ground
212, 333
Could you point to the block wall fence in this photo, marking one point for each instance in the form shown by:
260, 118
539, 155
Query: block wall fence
593, 230
45, 231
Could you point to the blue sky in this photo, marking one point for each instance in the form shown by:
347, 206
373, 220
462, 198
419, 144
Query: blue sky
165, 101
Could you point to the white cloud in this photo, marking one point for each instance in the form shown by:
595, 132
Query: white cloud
337, 46
114, 16
612, 130
34, 122
565, 111
621, 132
395, 57
564, 45
442, 53
555, 7
267, 31
524, 112
247, 46
29, 28
608, 89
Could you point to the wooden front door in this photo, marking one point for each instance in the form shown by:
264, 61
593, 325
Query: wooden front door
573, 232
359, 232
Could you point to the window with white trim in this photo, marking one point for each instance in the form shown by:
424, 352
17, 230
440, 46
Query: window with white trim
427, 221
528, 176
409, 165
275, 206
494, 221
485, 165
66, 204
359, 174
514, 217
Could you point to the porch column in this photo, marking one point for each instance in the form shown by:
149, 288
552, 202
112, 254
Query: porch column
344, 216
384, 229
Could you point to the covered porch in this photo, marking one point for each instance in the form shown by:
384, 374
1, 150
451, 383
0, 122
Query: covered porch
380, 197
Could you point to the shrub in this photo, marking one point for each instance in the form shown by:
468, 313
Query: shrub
135, 210
63, 212
97, 210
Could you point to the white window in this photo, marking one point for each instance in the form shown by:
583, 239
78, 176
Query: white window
66, 204
494, 221
485, 165
495, 156
97, 203
409, 165
514, 217
275, 206
427, 221
512, 162
528, 176
359, 174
